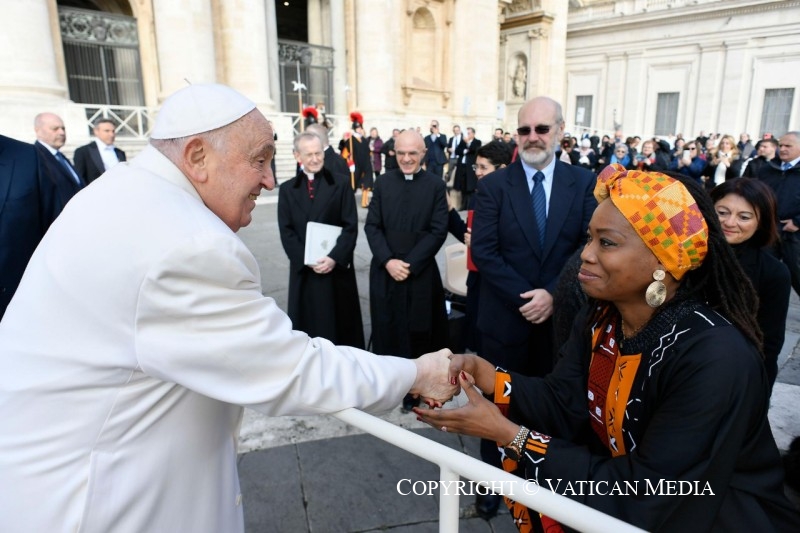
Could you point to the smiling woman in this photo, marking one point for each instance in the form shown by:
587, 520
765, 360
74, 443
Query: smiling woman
747, 213
661, 380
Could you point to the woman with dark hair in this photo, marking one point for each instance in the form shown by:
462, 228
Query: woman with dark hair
747, 213
661, 381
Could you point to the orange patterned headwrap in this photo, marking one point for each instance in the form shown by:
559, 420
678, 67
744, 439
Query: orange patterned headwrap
663, 213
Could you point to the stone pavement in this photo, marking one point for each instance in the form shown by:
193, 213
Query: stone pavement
317, 474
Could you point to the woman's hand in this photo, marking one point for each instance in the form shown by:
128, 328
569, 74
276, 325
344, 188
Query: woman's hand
478, 418
480, 371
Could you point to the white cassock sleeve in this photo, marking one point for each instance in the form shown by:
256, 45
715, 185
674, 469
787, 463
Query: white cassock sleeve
202, 322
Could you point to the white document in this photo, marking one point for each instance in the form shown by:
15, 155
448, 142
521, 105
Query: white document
320, 240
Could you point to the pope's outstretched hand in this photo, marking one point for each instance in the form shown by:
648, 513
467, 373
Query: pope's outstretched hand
433, 383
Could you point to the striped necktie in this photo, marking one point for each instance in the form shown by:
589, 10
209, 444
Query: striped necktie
539, 205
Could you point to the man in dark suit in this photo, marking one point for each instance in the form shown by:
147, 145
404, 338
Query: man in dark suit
323, 297
465, 180
390, 157
95, 158
453, 152
529, 218
435, 146
53, 165
26, 211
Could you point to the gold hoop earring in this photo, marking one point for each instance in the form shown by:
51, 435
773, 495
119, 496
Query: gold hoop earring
656, 292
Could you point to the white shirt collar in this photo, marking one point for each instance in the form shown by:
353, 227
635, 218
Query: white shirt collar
103, 146
547, 182
547, 171
50, 148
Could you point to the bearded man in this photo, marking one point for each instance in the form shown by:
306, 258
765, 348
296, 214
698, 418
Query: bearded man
529, 218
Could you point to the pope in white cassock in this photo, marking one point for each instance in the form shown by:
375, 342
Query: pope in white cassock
139, 331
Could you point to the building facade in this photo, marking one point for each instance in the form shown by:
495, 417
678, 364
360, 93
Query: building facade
645, 66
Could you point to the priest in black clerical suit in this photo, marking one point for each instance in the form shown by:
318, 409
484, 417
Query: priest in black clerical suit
406, 225
323, 298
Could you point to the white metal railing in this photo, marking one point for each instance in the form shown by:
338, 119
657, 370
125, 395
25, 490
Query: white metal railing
133, 122
453, 464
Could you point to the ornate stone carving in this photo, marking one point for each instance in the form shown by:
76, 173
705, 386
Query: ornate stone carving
521, 6
519, 78
305, 54
537, 33
97, 27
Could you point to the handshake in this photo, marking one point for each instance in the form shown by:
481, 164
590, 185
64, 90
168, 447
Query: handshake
434, 384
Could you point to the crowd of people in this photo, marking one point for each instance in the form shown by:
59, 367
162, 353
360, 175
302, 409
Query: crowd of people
131, 346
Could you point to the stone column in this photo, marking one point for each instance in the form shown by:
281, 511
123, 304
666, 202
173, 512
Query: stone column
337, 33
555, 26
373, 54
635, 97
32, 79
616, 63
735, 88
243, 48
316, 25
32, 69
185, 37
709, 77
272, 68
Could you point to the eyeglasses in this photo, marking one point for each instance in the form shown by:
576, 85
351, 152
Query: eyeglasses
484, 168
540, 129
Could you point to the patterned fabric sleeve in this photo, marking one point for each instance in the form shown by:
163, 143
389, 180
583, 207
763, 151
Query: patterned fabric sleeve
533, 455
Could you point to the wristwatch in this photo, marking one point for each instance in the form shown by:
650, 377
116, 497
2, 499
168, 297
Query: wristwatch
513, 450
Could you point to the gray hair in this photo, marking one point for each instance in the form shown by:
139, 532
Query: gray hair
305, 136
622, 145
173, 148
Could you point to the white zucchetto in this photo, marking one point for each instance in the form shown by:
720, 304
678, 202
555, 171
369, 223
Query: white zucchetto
198, 109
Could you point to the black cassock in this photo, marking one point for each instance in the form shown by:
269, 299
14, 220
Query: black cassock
322, 305
407, 220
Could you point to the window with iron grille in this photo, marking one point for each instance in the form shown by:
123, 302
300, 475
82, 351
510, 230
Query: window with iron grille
306, 73
101, 52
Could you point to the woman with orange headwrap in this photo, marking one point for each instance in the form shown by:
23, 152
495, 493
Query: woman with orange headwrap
661, 383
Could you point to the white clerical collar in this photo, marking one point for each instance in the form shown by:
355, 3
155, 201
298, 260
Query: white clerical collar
409, 177
308, 175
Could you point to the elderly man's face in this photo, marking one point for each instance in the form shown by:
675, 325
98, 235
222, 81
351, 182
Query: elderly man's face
410, 149
538, 148
309, 154
51, 131
789, 148
238, 172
